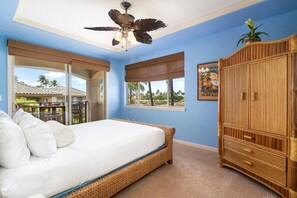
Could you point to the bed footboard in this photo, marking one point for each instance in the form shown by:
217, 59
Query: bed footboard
120, 179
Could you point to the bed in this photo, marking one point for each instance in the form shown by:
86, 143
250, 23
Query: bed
106, 157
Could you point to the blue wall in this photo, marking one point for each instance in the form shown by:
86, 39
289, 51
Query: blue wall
114, 89
198, 124
114, 76
3, 74
211, 41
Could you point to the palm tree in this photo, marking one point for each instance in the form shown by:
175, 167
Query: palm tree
53, 83
133, 88
42, 80
16, 78
151, 93
171, 92
46, 83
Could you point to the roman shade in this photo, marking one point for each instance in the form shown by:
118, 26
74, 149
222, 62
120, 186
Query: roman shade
163, 68
18, 48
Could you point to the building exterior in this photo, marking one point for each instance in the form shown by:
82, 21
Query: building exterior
24, 92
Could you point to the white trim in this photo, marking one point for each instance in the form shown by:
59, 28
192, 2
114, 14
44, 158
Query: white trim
195, 145
10, 85
165, 32
106, 85
167, 82
207, 17
167, 108
57, 31
69, 93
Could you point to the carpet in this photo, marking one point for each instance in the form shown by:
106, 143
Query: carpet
193, 174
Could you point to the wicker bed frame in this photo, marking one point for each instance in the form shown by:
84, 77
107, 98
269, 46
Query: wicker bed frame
120, 179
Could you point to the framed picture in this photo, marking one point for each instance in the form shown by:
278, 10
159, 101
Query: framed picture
208, 84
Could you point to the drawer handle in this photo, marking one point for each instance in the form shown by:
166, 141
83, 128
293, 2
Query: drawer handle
247, 150
254, 96
247, 137
242, 96
248, 163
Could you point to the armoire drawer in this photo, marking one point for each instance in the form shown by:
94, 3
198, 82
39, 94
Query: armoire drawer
267, 157
278, 144
255, 166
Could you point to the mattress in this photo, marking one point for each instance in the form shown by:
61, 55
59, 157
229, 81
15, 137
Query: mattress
100, 148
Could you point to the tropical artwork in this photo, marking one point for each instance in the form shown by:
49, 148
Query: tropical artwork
208, 85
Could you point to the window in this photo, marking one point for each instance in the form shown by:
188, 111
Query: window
163, 94
157, 83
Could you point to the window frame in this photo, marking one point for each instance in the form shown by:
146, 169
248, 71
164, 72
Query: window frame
138, 106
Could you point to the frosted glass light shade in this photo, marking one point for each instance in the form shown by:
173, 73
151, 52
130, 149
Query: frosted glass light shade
123, 41
118, 36
132, 38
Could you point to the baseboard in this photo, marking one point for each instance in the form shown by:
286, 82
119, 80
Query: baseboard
200, 146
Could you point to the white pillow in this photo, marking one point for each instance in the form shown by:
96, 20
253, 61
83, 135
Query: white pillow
63, 134
39, 136
13, 149
17, 116
3, 114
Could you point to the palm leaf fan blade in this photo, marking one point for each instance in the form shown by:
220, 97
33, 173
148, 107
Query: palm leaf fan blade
115, 42
147, 25
143, 37
103, 28
118, 18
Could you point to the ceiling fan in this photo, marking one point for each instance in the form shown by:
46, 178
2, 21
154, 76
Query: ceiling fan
130, 30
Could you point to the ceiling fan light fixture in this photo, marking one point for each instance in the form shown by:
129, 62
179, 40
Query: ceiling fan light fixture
131, 35
118, 36
124, 41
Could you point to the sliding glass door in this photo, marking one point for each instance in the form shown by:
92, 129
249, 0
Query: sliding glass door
55, 91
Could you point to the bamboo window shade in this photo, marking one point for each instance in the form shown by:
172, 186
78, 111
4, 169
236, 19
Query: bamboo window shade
163, 68
18, 48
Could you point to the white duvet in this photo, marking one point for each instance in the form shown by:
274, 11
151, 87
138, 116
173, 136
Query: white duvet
100, 147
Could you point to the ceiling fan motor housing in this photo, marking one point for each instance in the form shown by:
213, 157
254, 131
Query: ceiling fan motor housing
126, 5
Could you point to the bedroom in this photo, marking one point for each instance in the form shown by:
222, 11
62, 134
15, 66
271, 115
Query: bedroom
203, 31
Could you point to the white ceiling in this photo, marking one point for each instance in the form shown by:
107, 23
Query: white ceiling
69, 17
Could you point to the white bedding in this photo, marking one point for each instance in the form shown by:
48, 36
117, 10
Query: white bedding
100, 147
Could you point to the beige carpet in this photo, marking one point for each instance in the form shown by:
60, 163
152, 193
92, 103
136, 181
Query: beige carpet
194, 173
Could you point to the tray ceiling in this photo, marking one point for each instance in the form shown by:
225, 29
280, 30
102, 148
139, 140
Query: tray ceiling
69, 17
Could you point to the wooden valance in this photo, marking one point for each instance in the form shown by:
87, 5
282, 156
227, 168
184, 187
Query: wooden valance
163, 68
18, 48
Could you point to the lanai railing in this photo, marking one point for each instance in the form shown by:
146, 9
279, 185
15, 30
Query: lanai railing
56, 111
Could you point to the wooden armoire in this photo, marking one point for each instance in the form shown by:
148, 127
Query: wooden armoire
257, 121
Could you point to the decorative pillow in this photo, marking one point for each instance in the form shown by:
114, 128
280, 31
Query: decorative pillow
13, 149
3, 114
39, 136
63, 134
17, 116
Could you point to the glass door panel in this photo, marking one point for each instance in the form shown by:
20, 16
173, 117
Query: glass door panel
40, 89
87, 95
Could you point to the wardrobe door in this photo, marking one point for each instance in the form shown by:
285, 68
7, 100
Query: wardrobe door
240, 94
257, 95
227, 97
269, 95
276, 95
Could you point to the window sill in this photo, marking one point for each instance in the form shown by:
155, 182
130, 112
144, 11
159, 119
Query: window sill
181, 109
